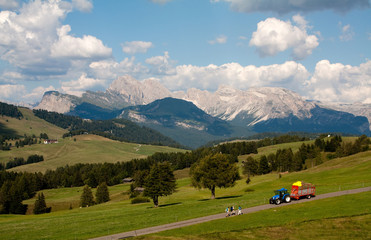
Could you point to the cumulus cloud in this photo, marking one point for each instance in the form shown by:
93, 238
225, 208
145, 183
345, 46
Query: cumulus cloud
337, 82
346, 32
11, 91
220, 40
37, 93
161, 65
273, 36
78, 87
242, 77
110, 69
82, 5
34, 41
286, 6
136, 47
68, 46
9, 4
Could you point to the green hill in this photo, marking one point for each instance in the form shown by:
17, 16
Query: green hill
119, 215
29, 124
81, 149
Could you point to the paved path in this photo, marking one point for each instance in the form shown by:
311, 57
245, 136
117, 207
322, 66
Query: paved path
180, 224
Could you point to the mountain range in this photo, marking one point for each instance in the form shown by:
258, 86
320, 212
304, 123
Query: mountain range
227, 112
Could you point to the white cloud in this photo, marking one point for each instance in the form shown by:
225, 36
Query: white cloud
346, 32
136, 47
9, 4
273, 36
11, 92
110, 69
37, 94
68, 46
338, 82
34, 41
83, 5
286, 6
160, 1
220, 40
242, 77
161, 65
77, 87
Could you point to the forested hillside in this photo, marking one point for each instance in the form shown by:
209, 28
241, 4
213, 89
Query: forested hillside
116, 129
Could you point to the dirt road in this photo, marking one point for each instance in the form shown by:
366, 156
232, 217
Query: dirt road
180, 224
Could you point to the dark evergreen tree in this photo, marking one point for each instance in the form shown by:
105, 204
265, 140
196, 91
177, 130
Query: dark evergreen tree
139, 177
159, 182
86, 198
218, 170
102, 194
263, 165
250, 167
40, 204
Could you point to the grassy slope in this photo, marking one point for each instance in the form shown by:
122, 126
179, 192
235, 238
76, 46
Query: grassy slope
30, 124
119, 215
332, 218
86, 149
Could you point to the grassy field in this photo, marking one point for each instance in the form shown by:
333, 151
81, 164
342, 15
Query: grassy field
86, 149
30, 124
119, 215
332, 218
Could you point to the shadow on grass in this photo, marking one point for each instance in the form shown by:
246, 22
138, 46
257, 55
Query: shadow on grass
219, 198
166, 205
4, 131
249, 190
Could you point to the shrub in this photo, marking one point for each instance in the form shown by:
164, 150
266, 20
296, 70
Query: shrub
139, 200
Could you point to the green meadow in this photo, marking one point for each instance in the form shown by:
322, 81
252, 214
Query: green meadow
30, 124
119, 215
81, 149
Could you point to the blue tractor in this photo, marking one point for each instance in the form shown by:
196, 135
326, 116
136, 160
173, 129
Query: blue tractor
281, 195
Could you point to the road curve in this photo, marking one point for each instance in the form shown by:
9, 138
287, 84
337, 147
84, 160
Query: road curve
189, 222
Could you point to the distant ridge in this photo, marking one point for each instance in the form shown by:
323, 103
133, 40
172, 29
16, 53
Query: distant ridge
257, 109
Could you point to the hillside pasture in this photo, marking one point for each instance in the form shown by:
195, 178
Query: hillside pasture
119, 215
81, 149
30, 124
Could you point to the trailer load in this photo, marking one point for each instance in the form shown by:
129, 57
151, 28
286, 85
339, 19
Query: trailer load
299, 189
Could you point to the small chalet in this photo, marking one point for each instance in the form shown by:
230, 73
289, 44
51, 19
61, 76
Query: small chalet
50, 141
127, 180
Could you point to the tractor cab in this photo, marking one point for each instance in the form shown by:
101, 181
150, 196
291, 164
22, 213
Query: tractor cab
281, 195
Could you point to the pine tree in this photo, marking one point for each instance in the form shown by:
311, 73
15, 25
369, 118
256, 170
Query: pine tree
40, 205
263, 165
218, 170
250, 167
102, 194
86, 198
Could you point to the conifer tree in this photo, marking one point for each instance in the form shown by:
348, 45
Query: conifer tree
102, 194
40, 204
86, 198
263, 165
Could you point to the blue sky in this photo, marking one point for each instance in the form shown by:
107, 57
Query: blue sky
319, 49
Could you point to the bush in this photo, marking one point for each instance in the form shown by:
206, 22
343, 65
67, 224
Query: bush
139, 200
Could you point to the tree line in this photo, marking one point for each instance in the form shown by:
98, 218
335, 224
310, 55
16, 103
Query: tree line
20, 161
286, 160
10, 110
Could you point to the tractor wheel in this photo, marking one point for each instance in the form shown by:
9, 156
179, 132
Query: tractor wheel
278, 201
309, 196
287, 199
